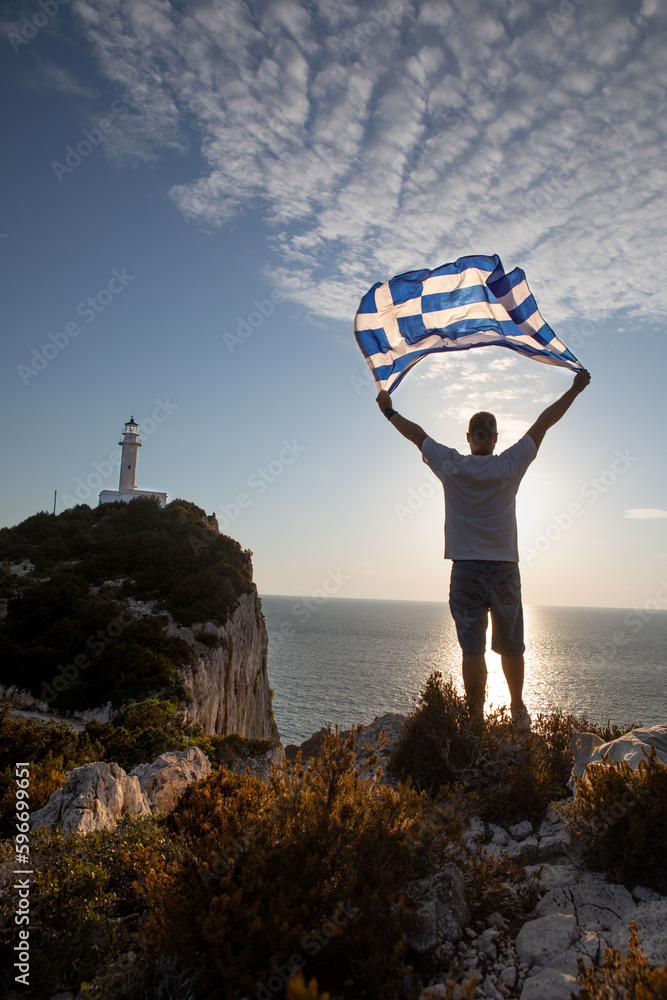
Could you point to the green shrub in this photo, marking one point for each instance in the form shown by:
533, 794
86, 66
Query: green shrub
52, 749
514, 776
143, 730
169, 555
303, 871
619, 821
86, 895
632, 978
138, 734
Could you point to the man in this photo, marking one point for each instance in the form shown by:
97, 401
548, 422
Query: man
481, 540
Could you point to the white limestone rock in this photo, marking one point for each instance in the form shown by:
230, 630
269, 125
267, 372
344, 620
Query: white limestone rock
544, 938
594, 902
521, 830
441, 908
530, 847
261, 765
164, 779
553, 846
568, 961
651, 920
554, 876
633, 747
549, 984
508, 976
95, 796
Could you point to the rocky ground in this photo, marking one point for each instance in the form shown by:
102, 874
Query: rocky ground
578, 914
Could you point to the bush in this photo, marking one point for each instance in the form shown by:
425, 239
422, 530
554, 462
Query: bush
138, 734
633, 978
619, 821
514, 776
52, 749
86, 895
143, 730
301, 873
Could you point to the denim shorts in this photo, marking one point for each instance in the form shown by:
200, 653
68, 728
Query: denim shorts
478, 586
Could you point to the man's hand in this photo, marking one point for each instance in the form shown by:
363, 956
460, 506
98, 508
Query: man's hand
553, 413
383, 399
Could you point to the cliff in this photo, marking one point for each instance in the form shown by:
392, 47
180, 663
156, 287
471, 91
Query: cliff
228, 681
107, 606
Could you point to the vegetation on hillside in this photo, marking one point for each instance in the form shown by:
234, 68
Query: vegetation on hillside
619, 821
245, 886
137, 734
243, 882
68, 634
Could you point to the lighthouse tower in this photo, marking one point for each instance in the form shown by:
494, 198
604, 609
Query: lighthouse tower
128, 462
127, 491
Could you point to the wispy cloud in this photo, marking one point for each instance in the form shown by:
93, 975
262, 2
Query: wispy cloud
46, 75
377, 137
646, 513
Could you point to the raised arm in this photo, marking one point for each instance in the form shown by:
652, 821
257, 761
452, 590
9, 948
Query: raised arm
413, 432
553, 413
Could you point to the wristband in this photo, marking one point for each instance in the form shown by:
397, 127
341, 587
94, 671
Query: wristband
389, 413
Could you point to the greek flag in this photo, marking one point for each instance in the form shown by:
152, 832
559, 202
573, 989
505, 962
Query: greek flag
470, 303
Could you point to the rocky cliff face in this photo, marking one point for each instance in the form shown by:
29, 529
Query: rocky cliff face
228, 679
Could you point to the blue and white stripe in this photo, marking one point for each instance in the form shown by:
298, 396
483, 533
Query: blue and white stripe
469, 303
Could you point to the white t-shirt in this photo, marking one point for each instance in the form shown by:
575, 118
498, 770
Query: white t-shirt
480, 495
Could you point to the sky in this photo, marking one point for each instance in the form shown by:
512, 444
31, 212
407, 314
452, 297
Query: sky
195, 196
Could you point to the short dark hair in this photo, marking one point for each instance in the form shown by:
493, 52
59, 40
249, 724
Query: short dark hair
482, 426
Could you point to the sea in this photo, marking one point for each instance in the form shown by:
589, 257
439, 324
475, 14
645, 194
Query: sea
346, 661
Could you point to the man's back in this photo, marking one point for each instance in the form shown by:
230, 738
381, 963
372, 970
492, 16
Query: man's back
480, 494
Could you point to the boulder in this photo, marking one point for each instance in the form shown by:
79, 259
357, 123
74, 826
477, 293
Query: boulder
549, 984
521, 830
260, 766
545, 938
651, 920
95, 796
554, 876
164, 779
633, 747
441, 908
594, 902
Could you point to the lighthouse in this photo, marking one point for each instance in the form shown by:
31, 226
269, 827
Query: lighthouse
128, 462
129, 444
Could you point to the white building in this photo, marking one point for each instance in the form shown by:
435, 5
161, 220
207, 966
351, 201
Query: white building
128, 470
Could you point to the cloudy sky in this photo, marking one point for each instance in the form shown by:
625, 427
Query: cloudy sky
197, 194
